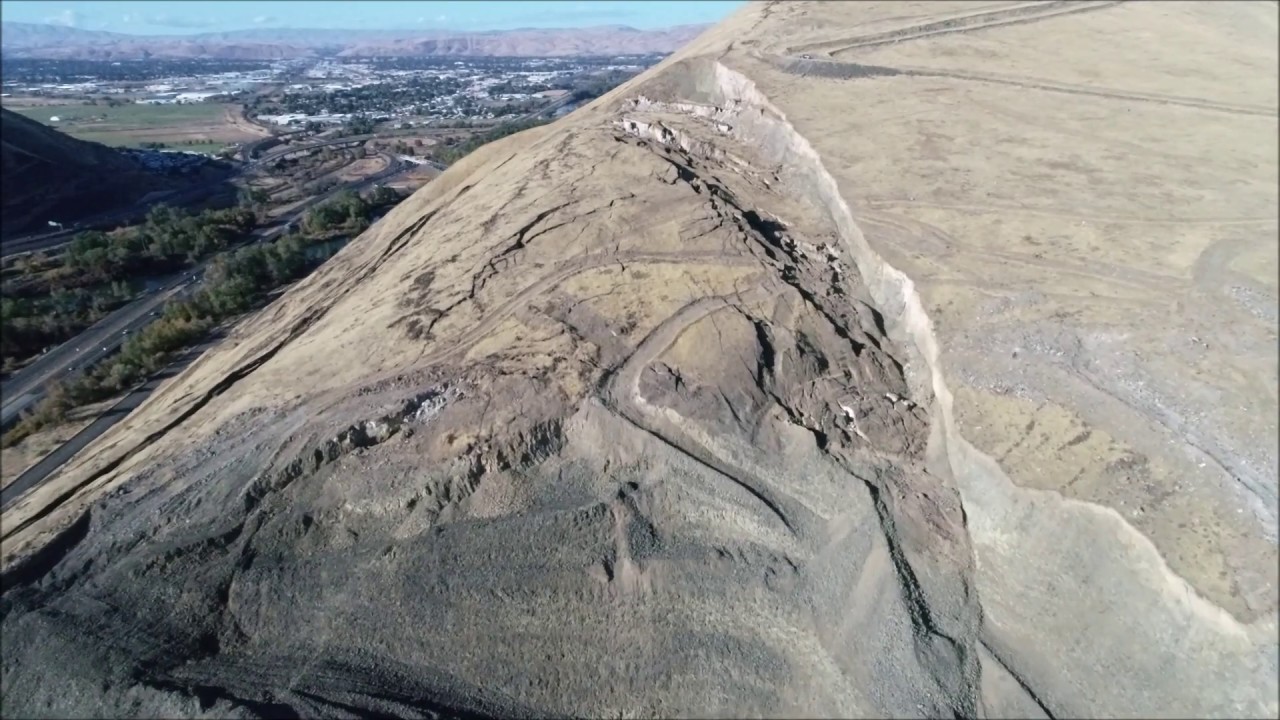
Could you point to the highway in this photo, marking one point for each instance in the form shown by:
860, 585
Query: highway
350, 139
50, 240
105, 221
290, 149
36, 474
248, 150
565, 100
25, 387
395, 166
46, 241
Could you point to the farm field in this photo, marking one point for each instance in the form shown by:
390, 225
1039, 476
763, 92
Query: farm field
202, 127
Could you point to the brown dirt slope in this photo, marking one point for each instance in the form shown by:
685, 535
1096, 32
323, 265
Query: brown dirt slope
861, 359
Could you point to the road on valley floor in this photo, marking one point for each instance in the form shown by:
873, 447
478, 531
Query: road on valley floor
25, 387
36, 474
104, 221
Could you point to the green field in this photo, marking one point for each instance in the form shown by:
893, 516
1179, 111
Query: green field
85, 117
135, 140
132, 125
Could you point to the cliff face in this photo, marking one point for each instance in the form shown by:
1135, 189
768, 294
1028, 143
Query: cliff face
861, 359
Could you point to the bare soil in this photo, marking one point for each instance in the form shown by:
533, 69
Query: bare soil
859, 360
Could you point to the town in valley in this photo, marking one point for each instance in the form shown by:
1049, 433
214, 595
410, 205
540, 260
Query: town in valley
259, 163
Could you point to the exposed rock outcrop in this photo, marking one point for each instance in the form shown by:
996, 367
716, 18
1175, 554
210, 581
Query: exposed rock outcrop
720, 396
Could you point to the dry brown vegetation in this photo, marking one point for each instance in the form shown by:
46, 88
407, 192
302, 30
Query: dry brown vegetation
861, 359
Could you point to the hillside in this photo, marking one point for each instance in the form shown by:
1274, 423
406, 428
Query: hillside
48, 175
29, 40
20, 35
879, 359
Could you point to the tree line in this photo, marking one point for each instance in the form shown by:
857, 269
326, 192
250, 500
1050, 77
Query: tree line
50, 301
168, 240
234, 283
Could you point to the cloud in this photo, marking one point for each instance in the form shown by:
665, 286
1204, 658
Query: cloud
266, 20
66, 18
174, 21
441, 18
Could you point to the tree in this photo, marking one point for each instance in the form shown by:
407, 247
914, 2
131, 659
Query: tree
383, 195
161, 216
253, 197
56, 404
360, 124
346, 209
88, 253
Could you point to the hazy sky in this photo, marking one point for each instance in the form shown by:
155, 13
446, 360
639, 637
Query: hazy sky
194, 16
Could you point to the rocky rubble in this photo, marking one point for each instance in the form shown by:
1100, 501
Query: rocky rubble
666, 409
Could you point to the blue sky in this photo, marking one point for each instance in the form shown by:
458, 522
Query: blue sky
144, 17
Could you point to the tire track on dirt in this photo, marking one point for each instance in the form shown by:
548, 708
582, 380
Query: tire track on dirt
205, 398
1260, 490
878, 203
1054, 124
874, 576
936, 242
839, 70
944, 245
1031, 83
1017, 14
1212, 270
621, 394
297, 328
490, 321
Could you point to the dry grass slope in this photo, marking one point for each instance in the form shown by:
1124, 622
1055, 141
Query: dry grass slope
857, 360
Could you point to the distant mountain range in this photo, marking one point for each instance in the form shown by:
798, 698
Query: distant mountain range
32, 40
